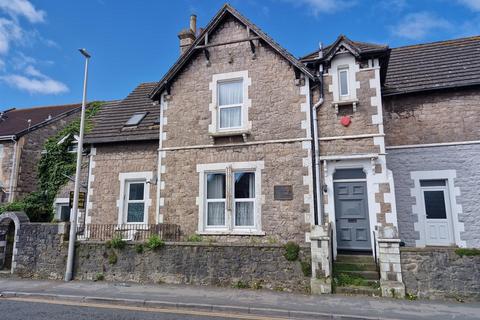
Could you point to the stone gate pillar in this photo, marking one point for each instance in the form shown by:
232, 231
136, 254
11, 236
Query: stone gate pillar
391, 282
18, 218
321, 253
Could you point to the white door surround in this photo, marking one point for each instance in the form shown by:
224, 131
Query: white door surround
450, 226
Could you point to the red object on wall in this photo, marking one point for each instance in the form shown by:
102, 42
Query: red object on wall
345, 121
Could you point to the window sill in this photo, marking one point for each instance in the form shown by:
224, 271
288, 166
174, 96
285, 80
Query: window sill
230, 133
231, 233
341, 103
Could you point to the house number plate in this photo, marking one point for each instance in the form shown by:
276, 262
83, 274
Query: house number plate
283, 192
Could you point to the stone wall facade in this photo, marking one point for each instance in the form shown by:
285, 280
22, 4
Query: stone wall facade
441, 116
463, 159
438, 273
109, 162
42, 253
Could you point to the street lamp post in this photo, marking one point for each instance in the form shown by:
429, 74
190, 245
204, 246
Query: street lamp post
73, 218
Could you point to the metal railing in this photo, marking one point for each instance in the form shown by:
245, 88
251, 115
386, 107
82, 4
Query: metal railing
130, 232
375, 257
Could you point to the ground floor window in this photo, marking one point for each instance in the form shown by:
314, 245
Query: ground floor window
134, 197
230, 198
62, 209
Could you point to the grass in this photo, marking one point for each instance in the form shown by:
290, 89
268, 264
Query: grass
467, 252
346, 280
291, 251
112, 258
154, 242
195, 238
306, 268
240, 285
118, 243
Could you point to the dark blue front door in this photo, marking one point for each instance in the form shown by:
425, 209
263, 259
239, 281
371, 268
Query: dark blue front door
351, 216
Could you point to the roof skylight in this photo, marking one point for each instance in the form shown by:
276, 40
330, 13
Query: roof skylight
136, 118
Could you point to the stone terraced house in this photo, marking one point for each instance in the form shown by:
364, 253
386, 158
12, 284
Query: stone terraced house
22, 135
355, 147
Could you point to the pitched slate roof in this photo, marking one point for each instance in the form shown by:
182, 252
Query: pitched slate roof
109, 122
360, 48
431, 66
20, 121
227, 9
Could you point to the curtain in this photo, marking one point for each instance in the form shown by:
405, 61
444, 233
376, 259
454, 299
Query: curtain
230, 93
216, 214
231, 117
244, 213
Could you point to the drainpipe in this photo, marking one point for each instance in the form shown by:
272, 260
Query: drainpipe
14, 166
159, 161
318, 178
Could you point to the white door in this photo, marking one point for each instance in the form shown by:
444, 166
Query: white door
436, 205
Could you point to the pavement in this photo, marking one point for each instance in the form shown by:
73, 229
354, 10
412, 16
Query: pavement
233, 301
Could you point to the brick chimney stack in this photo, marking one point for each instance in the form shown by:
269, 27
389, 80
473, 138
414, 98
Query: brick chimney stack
188, 36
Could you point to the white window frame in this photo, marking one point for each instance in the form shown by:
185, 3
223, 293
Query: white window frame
230, 169
452, 193
59, 202
246, 125
125, 179
207, 201
347, 71
228, 106
127, 200
235, 200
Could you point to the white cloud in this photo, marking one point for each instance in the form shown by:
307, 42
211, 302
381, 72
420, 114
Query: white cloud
417, 26
17, 8
323, 6
32, 71
2, 65
472, 4
9, 32
35, 85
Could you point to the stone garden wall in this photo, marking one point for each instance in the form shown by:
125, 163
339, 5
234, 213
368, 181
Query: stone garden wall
439, 273
42, 252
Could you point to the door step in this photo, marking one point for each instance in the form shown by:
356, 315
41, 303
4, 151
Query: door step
356, 275
359, 290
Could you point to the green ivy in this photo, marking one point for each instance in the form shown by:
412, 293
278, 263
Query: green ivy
55, 164
291, 251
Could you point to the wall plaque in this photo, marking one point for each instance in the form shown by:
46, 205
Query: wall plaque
283, 193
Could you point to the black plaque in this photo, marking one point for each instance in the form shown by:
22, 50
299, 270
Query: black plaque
283, 193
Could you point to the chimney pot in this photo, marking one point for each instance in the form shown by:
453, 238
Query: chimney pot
193, 24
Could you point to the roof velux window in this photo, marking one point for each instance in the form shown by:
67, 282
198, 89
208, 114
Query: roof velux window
135, 119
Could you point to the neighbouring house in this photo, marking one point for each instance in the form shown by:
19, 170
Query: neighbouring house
22, 135
361, 153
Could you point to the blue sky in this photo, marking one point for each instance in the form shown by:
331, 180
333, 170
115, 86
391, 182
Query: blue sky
134, 41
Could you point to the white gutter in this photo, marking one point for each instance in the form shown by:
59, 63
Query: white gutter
159, 157
12, 172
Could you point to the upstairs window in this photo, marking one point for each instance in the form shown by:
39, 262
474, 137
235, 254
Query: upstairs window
230, 104
343, 81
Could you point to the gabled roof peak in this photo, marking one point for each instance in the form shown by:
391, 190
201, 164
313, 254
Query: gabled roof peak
214, 22
357, 48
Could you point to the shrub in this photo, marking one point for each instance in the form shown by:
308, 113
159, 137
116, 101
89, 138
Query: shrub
154, 242
306, 268
118, 243
291, 251
112, 258
99, 277
240, 285
469, 252
139, 248
195, 238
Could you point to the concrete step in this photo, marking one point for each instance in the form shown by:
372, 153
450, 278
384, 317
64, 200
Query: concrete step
359, 290
351, 266
355, 258
368, 275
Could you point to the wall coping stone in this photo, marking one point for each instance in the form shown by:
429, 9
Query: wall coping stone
205, 244
428, 249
